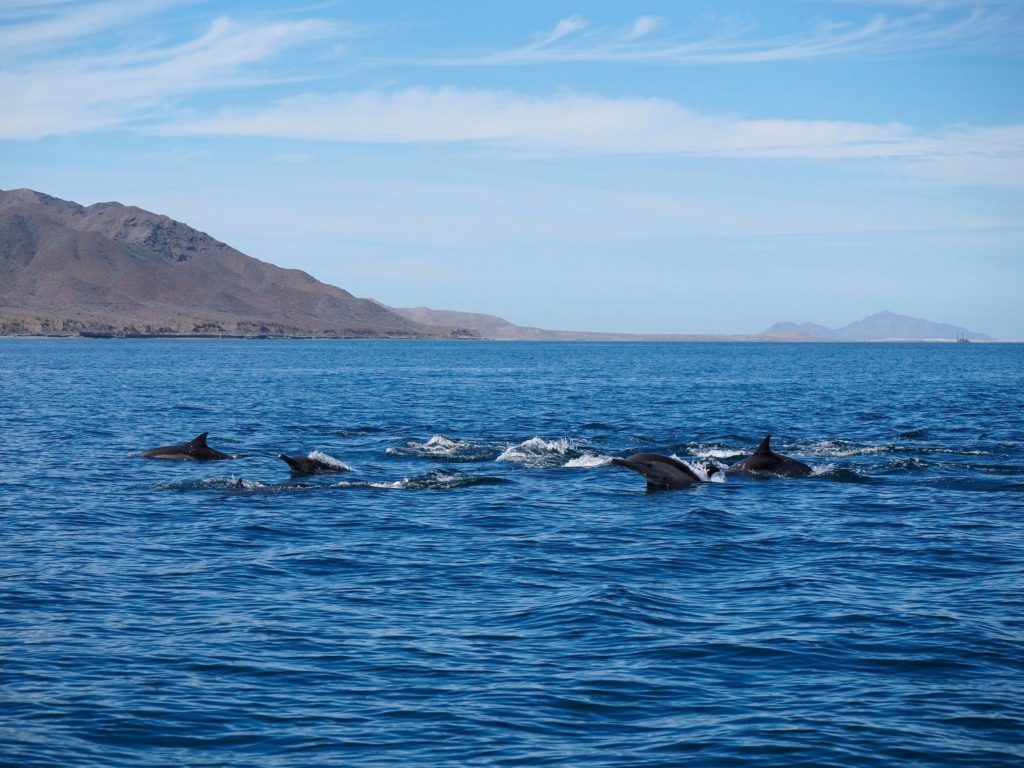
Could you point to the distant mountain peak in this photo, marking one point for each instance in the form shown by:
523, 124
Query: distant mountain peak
23, 196
881, 326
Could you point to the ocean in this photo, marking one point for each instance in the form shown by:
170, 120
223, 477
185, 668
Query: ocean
482, 586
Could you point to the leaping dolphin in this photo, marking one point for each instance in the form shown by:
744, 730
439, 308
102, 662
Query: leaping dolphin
194, 450
308, 465
662, 471
764, 459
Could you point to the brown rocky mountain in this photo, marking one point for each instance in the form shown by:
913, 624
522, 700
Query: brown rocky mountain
111, 269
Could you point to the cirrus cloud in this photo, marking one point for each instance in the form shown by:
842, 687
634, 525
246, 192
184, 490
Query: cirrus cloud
917, 27
88, 91
579, 124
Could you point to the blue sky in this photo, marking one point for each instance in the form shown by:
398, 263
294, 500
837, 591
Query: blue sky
653, 166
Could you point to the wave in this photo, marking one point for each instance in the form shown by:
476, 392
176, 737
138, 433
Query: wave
702, 451
931, 450
212, 484
911, 464
591, 607
435, 480
440, 447
701, 469
330, 461
839, 474
539, 452
844, 449
589, 461
564, 452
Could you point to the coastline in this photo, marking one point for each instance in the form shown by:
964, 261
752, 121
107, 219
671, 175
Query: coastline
597, 339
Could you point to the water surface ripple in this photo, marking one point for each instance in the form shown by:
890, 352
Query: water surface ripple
484, 587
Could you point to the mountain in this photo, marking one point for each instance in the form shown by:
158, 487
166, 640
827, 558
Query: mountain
117, 270
799, 330
884, 326
488, 326
492, 327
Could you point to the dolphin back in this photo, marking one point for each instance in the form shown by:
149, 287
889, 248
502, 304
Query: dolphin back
764, 459
198, 443
297, 463
659, 471
196, 449
312, 465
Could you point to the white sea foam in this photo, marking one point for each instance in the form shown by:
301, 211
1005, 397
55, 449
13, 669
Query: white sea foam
701, 470
443, 443
538, 452
711, 452
435, 480
589, 461
437, 447
841, 449
211, 483
397, 485
330, 461
378, 484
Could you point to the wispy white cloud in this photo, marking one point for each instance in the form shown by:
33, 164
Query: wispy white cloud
935, 5
643, 26
88, 87
86, 91
45, 24
569, 123
575, 124
912, 26
564, 28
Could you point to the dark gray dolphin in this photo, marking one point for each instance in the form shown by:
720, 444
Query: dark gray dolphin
662, 471
195, 450
766, 460
307, 465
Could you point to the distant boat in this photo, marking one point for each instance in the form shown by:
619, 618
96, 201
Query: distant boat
962, 339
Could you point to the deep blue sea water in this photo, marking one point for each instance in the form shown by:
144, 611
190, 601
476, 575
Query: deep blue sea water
483, 588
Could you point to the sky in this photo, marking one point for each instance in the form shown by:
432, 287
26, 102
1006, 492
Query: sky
651, 166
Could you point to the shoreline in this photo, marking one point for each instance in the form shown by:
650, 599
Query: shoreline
653, 339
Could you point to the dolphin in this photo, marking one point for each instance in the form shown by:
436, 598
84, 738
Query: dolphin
766, 460
307, 465
662, 471
196, 450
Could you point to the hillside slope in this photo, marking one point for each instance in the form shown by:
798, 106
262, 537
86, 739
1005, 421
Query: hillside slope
113, 269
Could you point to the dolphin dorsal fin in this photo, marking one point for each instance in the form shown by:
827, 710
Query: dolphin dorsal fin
200, 441
764, 449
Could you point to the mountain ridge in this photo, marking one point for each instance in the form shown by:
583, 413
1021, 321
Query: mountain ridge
119, 270
498, 328
881, 326
110, 269
494, 327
